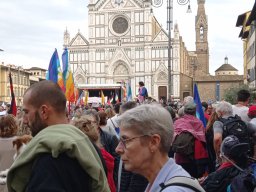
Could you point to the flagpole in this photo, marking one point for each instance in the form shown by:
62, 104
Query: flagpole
69, 107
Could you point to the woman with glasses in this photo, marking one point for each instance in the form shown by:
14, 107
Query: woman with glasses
146, 134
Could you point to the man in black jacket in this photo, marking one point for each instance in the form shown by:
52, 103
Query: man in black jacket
234, 158
59, 157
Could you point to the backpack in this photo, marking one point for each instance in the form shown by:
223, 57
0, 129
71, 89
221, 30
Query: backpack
244, 182
219, 180
183, 181
234, 125
184, 144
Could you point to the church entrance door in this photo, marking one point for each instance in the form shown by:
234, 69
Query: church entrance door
162, 92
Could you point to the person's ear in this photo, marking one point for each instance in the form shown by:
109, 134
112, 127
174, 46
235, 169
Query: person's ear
155, 141
44, 112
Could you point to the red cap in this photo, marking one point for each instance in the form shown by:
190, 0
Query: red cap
252, 110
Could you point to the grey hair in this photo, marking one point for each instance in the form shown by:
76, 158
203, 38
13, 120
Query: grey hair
188, 99
148, 119
225, 108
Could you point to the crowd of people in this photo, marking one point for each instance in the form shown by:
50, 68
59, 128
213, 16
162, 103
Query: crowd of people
127, 147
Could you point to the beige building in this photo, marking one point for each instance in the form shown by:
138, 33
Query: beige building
213, 88
247, 21
36, 74
226, 69
20, 78
126, 43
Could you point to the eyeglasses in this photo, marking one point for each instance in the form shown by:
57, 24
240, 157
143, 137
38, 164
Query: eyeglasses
123, 142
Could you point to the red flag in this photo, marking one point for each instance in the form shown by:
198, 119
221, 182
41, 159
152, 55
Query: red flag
13, 109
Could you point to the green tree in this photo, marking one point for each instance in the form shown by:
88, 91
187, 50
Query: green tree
231, 94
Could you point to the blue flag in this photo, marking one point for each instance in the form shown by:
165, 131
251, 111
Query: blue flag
52, 73
199, 108
129, 91
65, 65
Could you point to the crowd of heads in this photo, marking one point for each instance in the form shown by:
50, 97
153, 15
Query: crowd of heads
42, 107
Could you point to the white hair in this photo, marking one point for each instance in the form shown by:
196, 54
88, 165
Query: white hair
225, 108
188, 99
148, 119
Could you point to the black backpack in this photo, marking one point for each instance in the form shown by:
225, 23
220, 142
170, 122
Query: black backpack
244, 182
234, 125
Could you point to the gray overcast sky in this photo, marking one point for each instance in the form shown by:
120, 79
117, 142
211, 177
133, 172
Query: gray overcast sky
30, 30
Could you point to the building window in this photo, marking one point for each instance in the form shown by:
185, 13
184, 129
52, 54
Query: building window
71, 57
139, 17
100, 32
100, 56
75, 56
99, 19
155, 64
86, 56
139, 29
139, 54
100, 68
159, 53
139, 66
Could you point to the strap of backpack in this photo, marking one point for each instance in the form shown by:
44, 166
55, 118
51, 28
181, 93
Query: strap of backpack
182, 181
113, 123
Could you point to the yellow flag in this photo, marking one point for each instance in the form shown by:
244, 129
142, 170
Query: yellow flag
86, 97
102, 98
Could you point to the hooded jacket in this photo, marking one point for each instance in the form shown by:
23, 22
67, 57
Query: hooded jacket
58, 139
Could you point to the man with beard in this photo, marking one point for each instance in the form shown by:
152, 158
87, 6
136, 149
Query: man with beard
59, 157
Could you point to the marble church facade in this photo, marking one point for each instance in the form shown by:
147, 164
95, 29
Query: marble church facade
126, 43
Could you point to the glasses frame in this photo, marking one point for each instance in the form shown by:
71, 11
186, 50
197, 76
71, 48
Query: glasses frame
124, 141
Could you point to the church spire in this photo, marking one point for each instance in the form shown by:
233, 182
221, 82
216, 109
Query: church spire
202, 50
66, 38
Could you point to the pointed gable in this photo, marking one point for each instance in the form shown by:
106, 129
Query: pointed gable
79, 40
129, 4
161, 73
120, 54
110, 4
156, 28
161, 36
79, 75
201, 20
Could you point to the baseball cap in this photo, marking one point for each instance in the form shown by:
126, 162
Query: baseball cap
190, 107
231, 147
252, 110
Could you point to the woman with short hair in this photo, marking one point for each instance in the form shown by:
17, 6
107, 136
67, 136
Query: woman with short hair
8, 132
146, 134
89, 126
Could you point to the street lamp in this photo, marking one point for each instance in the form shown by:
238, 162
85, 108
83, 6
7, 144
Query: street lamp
159, 3
0, 77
